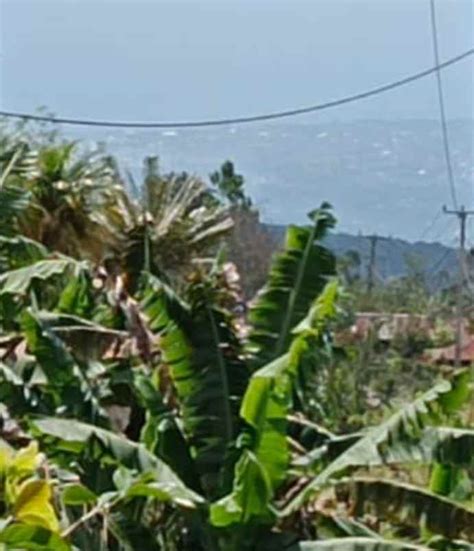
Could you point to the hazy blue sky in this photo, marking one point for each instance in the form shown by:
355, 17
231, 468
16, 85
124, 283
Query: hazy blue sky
175, 60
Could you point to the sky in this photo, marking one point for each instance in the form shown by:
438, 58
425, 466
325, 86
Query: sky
175, 60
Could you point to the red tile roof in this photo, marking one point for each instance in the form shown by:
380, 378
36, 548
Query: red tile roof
448, 354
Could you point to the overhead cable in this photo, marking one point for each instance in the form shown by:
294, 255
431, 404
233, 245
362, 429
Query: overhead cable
244, 119
442, 112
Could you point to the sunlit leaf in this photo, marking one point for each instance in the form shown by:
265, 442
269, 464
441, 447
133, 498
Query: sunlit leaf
33, 505
32, 538
77, 494
25, 461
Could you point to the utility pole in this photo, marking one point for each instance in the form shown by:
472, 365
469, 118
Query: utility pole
371, 266
462, 215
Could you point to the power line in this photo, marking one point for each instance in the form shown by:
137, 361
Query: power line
442, 231
245, 119
434, 268
431, 225
444, 126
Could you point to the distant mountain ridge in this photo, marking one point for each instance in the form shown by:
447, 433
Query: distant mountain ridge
391, 253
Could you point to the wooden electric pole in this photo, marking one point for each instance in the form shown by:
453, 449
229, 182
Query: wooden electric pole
371, 266
462, 215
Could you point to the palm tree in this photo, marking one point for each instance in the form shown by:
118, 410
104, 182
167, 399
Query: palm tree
178, 225
78, 205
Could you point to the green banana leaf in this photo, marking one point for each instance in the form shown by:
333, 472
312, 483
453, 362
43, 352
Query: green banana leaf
408, 505
265, 408
19, 251
446, 445
74, 437
162, 434
396, 438
202, 352
19, 281
36, 538
68, 386
297, 277
356, 544
13, 201
86, 340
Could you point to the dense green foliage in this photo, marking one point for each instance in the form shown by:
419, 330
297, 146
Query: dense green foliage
142, 408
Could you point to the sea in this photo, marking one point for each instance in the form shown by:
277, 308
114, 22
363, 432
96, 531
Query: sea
385, 177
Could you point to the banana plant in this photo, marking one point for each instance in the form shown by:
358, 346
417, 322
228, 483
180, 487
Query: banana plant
202, 355
204, 454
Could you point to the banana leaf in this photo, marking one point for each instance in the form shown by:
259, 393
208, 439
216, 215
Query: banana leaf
407, 505
398, 437
265, 408
19, 281
201, 349
356, 544
74, 437
297, 276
